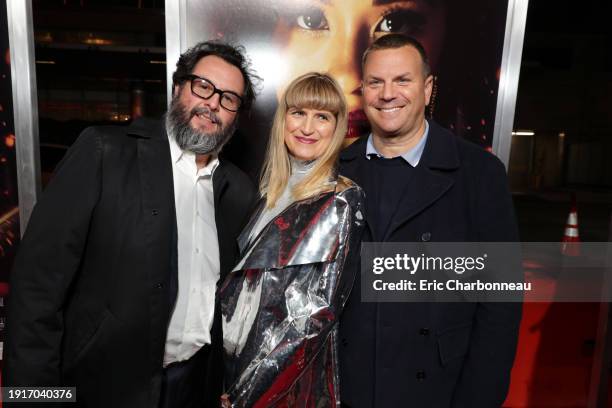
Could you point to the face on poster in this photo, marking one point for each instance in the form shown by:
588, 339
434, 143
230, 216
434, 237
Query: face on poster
286, 38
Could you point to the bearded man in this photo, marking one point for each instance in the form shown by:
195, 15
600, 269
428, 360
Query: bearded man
113, 289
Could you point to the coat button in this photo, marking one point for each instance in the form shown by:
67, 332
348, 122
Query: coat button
154, 212
344, 342
420, 375
426, 236
424, 331
159, 286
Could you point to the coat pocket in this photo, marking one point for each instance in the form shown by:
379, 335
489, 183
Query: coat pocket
82, 345
454, 343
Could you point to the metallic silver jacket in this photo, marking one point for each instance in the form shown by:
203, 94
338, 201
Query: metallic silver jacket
280, 306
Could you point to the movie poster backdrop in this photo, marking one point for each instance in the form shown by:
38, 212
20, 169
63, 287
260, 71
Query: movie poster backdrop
285, 38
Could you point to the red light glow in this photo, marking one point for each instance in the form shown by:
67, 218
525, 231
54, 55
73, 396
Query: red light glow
9, 140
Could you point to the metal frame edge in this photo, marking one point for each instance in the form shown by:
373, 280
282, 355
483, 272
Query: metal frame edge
509, 78
175, 38
25, 106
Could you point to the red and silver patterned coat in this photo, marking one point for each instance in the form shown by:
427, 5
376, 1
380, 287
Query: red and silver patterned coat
281, 304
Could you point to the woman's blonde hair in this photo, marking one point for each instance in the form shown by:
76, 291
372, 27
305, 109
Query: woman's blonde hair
310, 91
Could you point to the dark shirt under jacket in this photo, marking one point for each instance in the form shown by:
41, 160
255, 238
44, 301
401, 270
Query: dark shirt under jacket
393, 179
94, 282
432, 355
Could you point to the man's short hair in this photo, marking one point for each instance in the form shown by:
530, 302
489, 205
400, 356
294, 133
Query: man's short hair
232, 54
397, 40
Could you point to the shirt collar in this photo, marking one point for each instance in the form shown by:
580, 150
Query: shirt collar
175, 151
412, 156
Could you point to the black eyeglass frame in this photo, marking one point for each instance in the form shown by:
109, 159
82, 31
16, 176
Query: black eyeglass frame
192, 78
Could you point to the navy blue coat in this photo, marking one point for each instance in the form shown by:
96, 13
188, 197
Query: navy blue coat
426, 355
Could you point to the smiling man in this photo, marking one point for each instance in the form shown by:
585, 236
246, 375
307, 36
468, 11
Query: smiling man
113, 289
422, 183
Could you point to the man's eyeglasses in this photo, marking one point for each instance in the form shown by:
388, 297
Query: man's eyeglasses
205, 89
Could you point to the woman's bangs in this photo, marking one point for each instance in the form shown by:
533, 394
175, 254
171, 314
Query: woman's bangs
314, 93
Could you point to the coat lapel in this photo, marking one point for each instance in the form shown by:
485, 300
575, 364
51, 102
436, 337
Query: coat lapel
432, 178
160, 230
157, 188
219, 185
304, 233
428, 187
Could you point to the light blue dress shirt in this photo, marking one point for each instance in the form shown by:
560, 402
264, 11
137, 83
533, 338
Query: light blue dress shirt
412, 156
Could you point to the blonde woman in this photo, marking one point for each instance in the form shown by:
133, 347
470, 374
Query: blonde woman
281, 303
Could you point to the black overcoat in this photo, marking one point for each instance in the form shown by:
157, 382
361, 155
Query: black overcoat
95, 279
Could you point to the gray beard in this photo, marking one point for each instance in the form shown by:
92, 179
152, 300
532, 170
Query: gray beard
194, 140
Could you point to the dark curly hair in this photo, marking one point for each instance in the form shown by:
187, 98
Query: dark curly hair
232, 54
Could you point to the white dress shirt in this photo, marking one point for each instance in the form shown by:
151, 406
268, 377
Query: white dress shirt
198, 256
